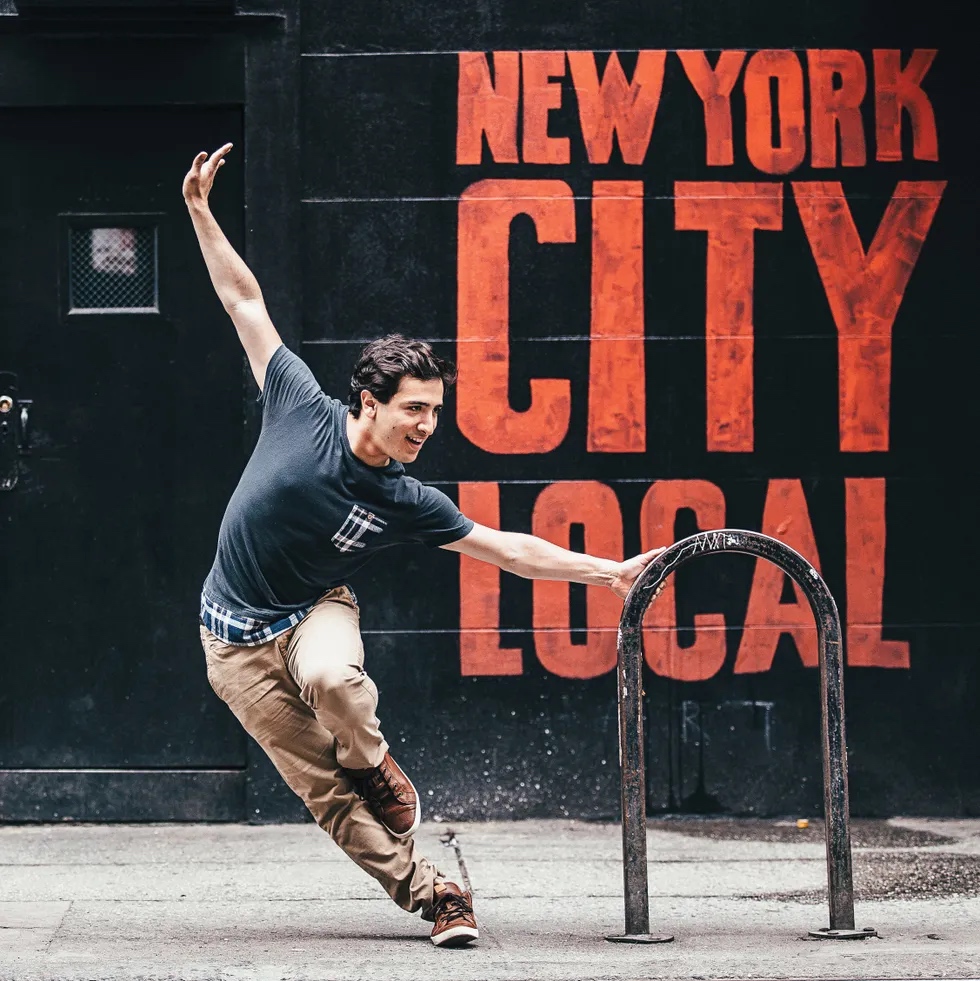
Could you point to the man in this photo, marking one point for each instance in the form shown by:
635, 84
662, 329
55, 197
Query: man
324, 490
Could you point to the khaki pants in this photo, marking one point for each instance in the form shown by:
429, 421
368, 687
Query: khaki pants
306, 700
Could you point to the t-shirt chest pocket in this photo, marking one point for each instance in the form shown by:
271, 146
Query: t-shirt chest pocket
356, 529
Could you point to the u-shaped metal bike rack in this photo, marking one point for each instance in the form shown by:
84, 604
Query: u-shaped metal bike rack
630, 696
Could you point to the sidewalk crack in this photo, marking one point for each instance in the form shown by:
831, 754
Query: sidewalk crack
61, 923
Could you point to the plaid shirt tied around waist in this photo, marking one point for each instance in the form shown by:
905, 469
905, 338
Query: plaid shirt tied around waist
233, 628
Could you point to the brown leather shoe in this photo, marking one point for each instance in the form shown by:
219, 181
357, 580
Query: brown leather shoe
390, 795
453, 913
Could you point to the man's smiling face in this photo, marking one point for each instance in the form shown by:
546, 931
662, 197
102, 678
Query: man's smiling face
400, 427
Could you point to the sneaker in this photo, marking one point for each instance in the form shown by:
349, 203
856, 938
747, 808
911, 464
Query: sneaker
390, 795
453, 912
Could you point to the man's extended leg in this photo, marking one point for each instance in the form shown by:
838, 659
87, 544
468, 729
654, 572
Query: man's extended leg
257, 686
325, 656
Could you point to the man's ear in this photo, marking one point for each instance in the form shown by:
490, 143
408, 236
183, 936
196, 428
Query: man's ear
369, 404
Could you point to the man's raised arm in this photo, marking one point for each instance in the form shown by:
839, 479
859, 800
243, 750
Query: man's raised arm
233, 281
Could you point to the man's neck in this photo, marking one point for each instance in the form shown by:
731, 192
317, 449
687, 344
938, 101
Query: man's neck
361, 444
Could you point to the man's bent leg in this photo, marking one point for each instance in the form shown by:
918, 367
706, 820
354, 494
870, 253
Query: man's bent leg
325, 656
262, 694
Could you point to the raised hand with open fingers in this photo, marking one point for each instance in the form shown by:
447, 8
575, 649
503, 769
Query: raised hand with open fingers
200, 178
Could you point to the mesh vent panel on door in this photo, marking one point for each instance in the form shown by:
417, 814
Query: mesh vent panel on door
113, 270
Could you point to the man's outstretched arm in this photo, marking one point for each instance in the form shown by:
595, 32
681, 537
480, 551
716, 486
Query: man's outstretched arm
535, 558
233, 281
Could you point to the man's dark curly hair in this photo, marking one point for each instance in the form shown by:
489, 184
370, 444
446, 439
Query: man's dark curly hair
385, 362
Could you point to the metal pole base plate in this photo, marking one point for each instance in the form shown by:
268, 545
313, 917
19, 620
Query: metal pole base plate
825, 933
641, 938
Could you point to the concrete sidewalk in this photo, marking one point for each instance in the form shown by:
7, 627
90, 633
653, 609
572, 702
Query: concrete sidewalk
282, 902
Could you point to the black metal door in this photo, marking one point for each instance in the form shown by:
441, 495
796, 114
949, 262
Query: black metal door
110, 328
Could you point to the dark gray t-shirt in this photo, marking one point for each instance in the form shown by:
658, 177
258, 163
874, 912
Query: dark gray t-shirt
307, 513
